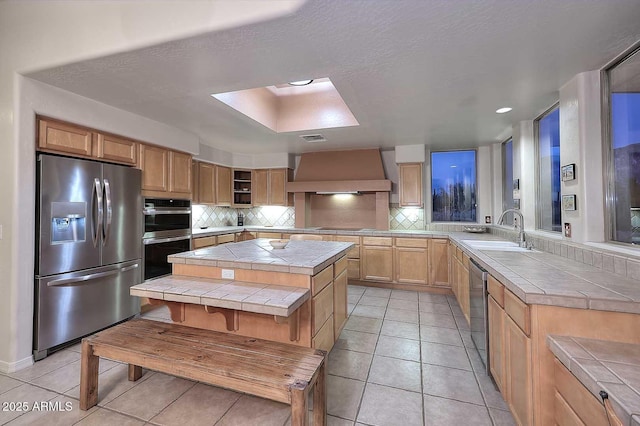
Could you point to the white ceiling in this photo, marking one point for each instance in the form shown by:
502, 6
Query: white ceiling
412, 72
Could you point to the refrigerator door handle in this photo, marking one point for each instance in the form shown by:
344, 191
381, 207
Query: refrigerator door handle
97, 201
106, 228
79, 280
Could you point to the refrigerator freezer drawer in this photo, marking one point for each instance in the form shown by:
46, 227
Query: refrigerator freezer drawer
70, 306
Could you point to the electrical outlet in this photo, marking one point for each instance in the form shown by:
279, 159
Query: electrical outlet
229, 274
0, 232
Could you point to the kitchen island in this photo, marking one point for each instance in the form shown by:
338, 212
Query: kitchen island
241, 288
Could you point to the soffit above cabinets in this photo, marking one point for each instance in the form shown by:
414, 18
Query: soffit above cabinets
411, 72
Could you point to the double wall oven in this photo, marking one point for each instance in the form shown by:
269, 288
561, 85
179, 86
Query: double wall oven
167, 230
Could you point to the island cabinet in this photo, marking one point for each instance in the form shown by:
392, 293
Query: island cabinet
574, 404
353, 255
315, 322
269, 187
165, 173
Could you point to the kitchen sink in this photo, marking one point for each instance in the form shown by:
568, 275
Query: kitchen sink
495, 245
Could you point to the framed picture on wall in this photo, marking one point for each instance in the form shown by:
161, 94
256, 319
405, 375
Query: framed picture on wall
568, 172
568, 202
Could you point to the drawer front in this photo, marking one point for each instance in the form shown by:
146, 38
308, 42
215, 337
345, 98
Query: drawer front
354, 252
519, 311
377, 241
339, 266
496, 289
412, 242
203, 242
458, 253
581, 401
324, 338
321, 279
229, 238
322, 308
272, 235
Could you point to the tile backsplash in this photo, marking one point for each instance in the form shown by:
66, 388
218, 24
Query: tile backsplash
214, 216
607, 260
405, 218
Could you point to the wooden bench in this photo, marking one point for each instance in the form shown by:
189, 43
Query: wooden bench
277, 371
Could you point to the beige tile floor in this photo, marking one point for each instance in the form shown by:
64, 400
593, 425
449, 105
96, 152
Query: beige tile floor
404, 358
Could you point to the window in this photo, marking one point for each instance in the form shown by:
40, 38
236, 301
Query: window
453, 186
547, 129
624, 150
507, 180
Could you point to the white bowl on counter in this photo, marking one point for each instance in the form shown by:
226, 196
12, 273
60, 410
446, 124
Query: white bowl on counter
278, 244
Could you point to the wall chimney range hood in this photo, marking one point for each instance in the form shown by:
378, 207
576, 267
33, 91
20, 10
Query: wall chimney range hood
341, 172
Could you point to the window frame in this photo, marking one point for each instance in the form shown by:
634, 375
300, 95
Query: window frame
431, 182
607, 145
536, 140
506, 193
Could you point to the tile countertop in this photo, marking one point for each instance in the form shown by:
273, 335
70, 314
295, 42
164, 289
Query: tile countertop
298, 257
542, 278
604, 365
535, 277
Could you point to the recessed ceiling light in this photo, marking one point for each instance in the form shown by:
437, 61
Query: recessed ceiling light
300, 83
499, 110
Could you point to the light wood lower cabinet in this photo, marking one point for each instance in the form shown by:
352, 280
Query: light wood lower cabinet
377, 263
412, 265
518, 383
439, 262
339, 302
201, 242
496, 342
574, 403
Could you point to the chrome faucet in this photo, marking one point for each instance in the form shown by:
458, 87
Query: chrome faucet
521, 240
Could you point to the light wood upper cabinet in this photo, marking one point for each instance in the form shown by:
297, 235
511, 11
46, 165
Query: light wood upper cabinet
206, 187
113, 148
410, 185
179, 172
62, 137
260, 187
165, 172
269, 187
278, 187
154, 162
223, 186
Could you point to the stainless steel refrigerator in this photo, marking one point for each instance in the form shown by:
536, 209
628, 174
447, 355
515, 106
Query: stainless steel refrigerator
88, 248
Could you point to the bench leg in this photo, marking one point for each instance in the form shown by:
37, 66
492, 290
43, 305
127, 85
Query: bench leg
135, 372
299, 404
320, 398
88, 376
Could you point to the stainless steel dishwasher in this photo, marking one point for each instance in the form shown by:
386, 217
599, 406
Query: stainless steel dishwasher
478, 311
